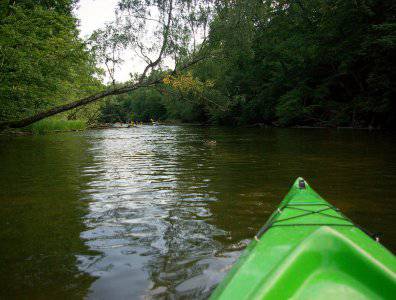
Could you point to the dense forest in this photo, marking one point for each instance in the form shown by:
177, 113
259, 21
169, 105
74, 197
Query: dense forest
279, 63
43, 61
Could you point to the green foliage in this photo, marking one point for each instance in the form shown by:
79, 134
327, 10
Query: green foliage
43, 62
60, 6
146, 105
299, 62
290, 108
306, 62
140, 106
56, 124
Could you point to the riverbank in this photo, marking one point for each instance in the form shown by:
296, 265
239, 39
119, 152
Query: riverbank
48, 126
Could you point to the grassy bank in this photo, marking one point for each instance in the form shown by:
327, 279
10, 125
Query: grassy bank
56, 125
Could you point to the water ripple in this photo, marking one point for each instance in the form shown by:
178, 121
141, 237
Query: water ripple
148, 212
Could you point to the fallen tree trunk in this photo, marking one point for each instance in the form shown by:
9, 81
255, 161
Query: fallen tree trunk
92, 98
65, 107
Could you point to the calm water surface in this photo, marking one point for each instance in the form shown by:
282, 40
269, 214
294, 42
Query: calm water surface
158, 212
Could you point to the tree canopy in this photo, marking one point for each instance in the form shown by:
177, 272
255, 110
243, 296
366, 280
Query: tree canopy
305, 62
282, 63
43, 62
308, 62
52, 52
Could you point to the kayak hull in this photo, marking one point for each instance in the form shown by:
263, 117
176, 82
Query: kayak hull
309, 250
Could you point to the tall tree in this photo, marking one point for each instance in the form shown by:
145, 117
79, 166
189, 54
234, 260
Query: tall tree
306, 62
42, 60
158, 29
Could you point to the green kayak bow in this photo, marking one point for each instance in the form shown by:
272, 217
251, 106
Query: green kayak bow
309, 250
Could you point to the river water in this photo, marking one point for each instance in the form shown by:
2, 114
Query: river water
164, 212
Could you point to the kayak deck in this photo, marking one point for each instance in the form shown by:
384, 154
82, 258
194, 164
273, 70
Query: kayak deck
309, 250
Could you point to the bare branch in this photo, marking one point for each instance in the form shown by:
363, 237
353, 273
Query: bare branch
110, 71
143, 17
164, 43
144, 55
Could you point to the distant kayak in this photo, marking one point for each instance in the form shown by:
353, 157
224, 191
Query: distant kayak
309, 250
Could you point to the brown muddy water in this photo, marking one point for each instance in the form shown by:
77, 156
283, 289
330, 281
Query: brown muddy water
163, 212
